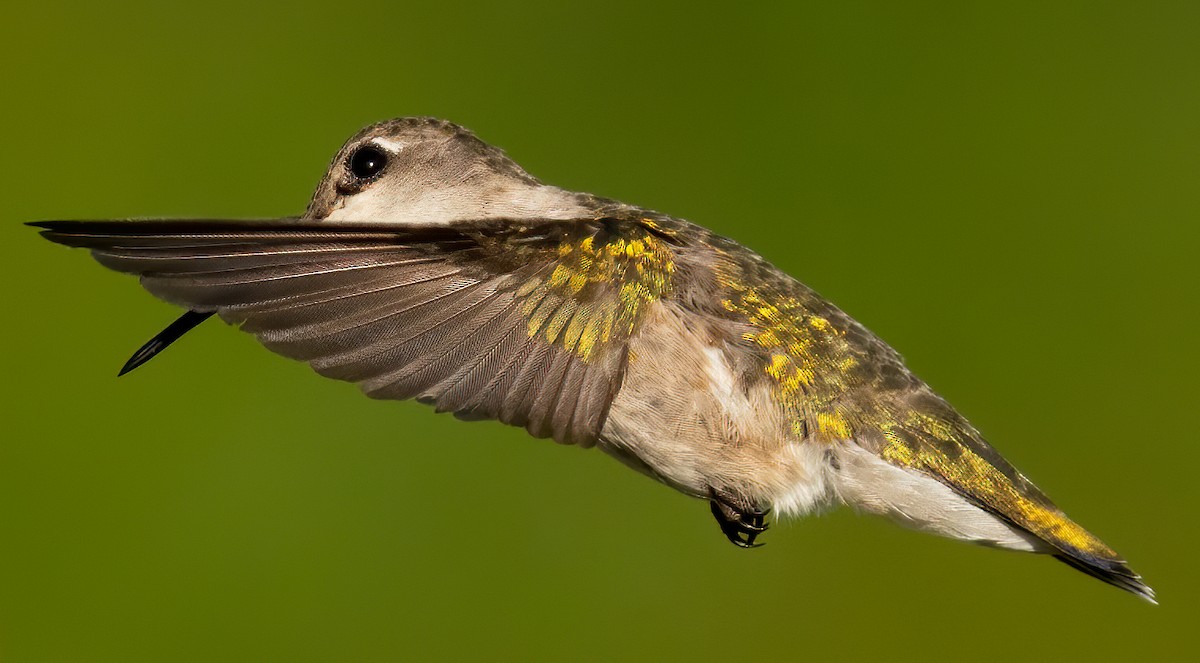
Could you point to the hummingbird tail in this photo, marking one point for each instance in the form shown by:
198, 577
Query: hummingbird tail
1115, 573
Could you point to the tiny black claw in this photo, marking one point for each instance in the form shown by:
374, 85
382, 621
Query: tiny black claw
741, 526
757, 529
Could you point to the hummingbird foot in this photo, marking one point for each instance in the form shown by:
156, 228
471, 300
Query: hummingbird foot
740, 523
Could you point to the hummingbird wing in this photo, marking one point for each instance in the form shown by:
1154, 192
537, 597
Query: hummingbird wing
524, 322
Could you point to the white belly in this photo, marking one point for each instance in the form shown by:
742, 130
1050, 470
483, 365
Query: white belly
869, 483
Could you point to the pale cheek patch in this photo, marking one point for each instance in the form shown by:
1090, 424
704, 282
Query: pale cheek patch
370, 207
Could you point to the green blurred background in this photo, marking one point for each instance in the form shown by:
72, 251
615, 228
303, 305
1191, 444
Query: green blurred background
1006, 192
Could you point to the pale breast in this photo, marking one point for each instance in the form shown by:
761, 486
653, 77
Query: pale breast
687, 417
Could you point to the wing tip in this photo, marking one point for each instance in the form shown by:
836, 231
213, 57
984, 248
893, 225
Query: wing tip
63, 225
51, 230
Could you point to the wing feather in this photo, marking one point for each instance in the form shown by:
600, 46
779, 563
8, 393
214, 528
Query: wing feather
526, 323
363, 338
467, 391
543, 395
441, 357
334, 307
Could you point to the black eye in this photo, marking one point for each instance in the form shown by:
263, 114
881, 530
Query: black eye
367, 162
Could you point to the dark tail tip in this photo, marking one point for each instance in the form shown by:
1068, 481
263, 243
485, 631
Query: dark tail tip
1113, 573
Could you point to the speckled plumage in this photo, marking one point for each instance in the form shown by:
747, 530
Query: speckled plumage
456, 278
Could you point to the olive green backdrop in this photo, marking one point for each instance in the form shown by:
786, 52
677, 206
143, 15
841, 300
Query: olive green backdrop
1007, 194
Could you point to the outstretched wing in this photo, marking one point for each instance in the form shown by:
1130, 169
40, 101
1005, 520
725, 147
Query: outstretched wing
525, 323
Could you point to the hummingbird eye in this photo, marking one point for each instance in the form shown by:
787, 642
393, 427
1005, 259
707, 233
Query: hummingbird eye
367, 162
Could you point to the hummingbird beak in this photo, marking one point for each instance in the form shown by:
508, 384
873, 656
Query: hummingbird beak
183, 325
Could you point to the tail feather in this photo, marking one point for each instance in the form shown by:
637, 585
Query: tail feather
1115, 573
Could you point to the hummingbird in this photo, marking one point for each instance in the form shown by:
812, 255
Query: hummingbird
428, 265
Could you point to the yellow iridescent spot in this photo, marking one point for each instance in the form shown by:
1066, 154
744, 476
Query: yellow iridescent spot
539, 316
576, 283
767, 339
559, 276
809, 361
587, 338
527, 287
909, 445
598, 291
561, 317
833, 425
658, 228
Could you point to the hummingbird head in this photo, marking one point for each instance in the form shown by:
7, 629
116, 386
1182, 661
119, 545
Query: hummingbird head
418, 171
